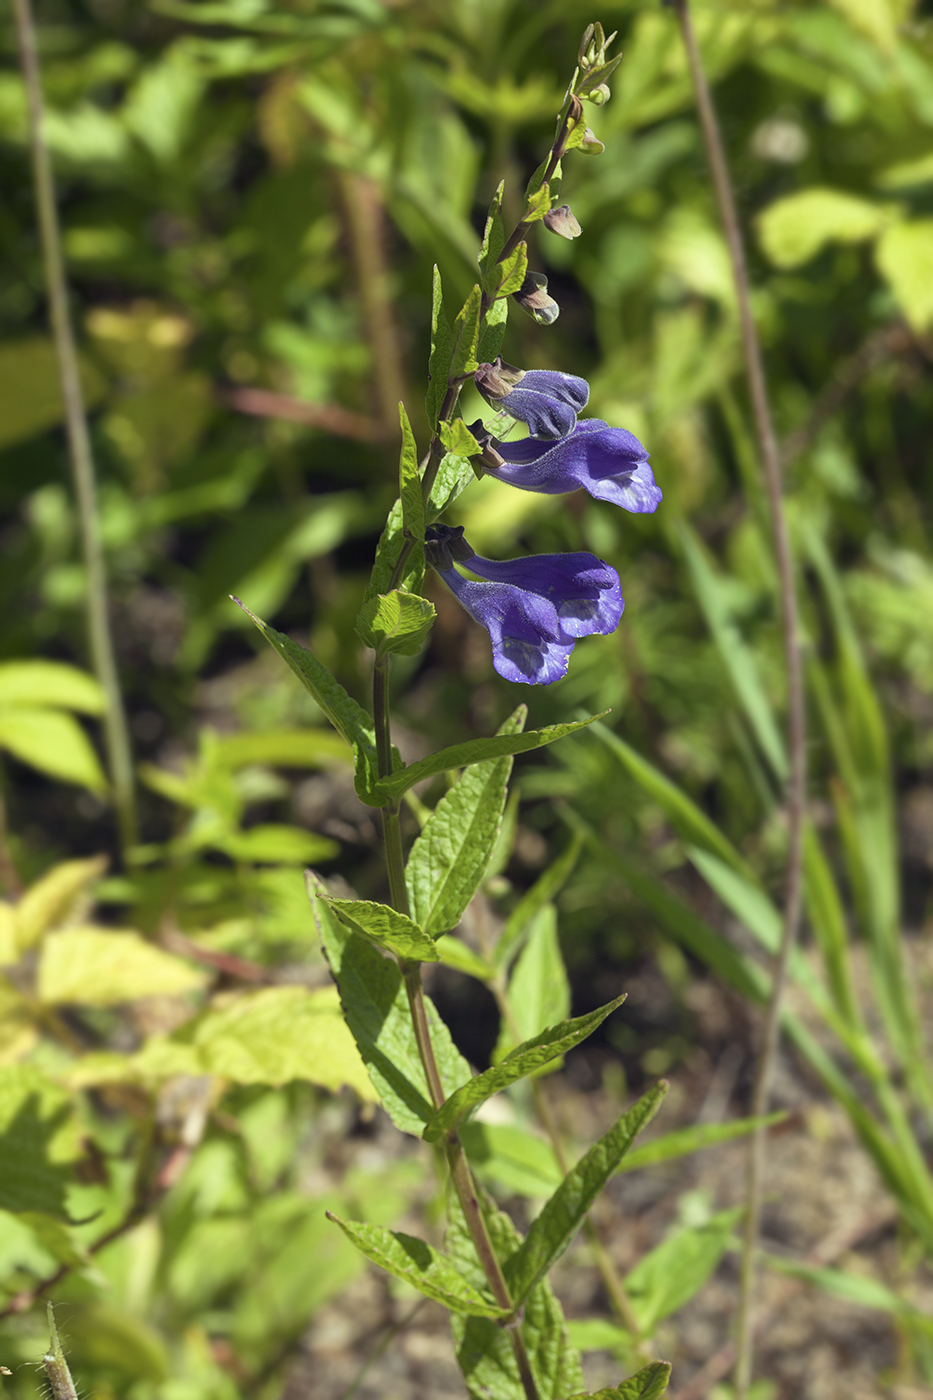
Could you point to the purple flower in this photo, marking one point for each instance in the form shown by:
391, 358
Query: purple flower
547, 400
534, 609
609, 463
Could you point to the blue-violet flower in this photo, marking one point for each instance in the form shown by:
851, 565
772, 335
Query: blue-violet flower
609, 463
535, 608
545, 399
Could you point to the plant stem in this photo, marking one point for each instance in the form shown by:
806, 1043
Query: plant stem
796, 792
457, 1163
82, 463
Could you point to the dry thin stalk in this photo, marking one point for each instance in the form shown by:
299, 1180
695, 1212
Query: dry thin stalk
56, 1367
796, 792
79, 446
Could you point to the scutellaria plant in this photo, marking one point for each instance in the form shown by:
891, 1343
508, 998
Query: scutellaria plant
508, 1327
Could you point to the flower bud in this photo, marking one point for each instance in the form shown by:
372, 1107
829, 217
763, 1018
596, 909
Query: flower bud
562, 222
591, 144
488, 456
533, 298
599, 95
492, 384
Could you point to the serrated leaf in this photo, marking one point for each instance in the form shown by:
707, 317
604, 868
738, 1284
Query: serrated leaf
416, 1263
38, 1141
493, 331
511, 273
348, 718
552, 1231
457, 438
54, 743
50, 684
388, 552
650, 1382
277, 1035
99, 967
375, 1005
537, 204
457, 955
493, 236
484, 1350
447, 863
466, 335
60, 896
669, 1275
539, 992
409, 481
385, 926
531, 1055
395, 623
441, 351
476, 751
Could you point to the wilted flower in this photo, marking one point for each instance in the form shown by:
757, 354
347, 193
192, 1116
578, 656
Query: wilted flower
562, 222
609, 463
534, 609
547, 400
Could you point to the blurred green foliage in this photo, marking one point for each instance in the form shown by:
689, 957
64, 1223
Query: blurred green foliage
253, 194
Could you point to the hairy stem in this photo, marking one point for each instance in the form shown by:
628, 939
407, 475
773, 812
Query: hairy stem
79, 446
796, 792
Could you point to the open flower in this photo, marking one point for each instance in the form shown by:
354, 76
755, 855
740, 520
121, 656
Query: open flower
609, 463
534, 609
547, 400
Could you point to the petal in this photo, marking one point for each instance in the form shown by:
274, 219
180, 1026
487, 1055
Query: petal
610, 463
528, 644
568, 388
584, 590
546, 417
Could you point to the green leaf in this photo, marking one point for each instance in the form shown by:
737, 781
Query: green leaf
409, 482
99, 967
539, 993
457, 955
687, 819
795, 228
476, 751
537, 203
905, 258
493, 331
61, 895
275, 843
50, 684
737, 657
543, 1049
510, 274
447, 863
415, 1262
484, 1351
647, 1384
458, 439
281, 748
388, 553
375, 1004
385, 926
514, 1159
441, 352
522, 917
348, 718
688, 1140
466, 335
864, 1291
395, 623
552, 1231
277, 1035
493, 238
38, 1141
675, 1270
54, 743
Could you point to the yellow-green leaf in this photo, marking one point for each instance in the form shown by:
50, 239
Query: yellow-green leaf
905, 258
50, 684
98, 967
61, 896
54, 743
794, 229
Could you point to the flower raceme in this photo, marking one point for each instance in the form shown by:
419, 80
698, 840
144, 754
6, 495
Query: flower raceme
535, 608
